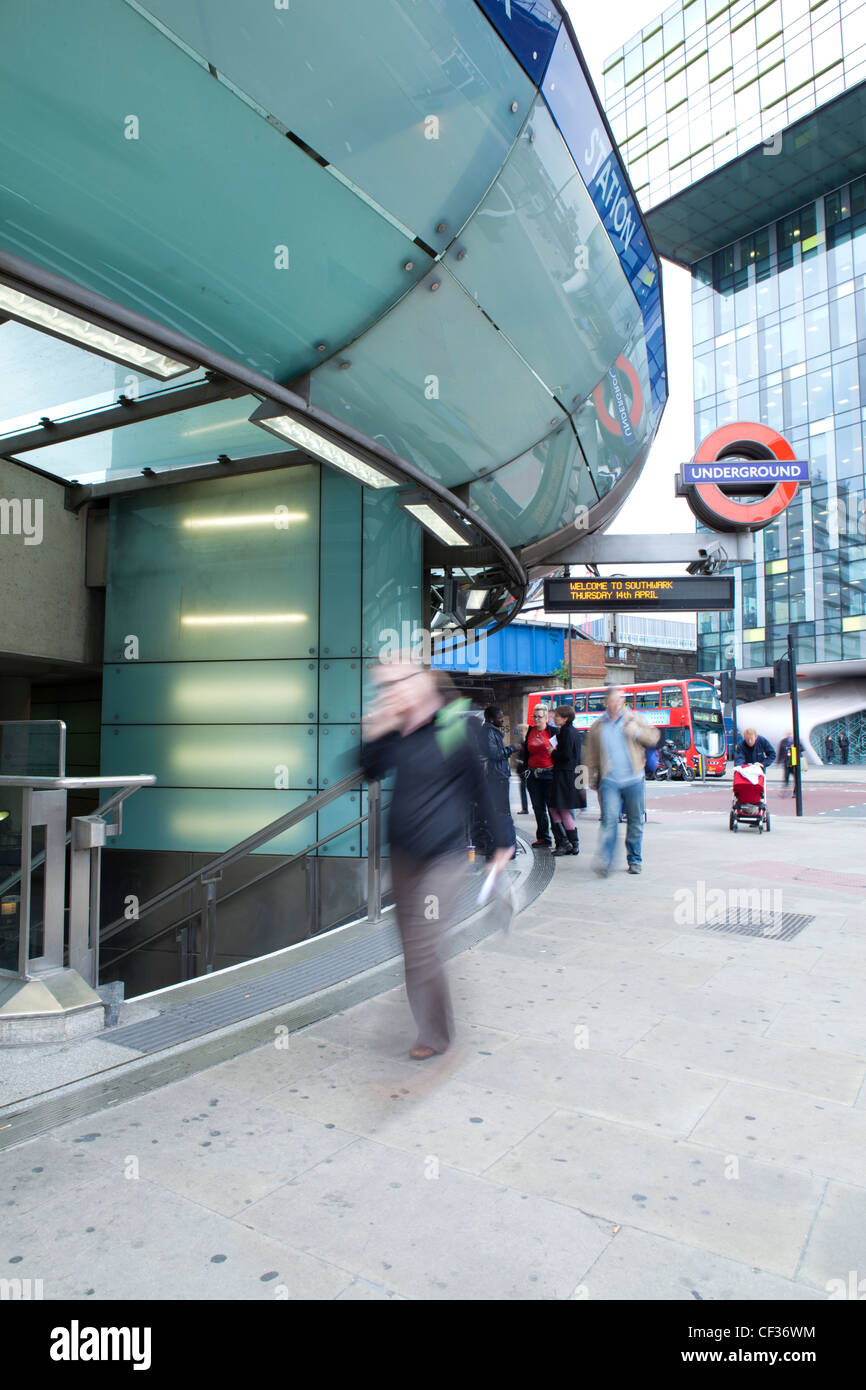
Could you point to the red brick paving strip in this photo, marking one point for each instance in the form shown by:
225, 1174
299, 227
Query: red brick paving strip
798, 873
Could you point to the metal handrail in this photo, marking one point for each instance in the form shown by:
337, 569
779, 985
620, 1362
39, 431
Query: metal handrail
241, 888
130, 785
239, 851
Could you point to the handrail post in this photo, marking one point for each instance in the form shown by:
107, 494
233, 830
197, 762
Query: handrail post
374, 851
207, 932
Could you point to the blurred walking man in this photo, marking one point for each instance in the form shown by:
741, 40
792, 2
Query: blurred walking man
417, 730
614, 757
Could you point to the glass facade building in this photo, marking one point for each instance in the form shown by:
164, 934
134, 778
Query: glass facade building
708, 81
779, 324
742, 128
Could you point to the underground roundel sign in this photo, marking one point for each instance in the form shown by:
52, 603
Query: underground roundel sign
747, 459
617, 414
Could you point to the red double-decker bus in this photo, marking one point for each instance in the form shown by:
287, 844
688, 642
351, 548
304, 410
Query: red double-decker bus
688, 713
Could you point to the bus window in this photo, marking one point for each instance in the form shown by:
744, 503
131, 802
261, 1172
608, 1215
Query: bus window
629, 699
580, 703
566, 699
646, 699
672, 697
595, 702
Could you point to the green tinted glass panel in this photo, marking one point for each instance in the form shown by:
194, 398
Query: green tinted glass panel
41, 375
155, 185
173, 441
208, 822
210, 692
340, 591
265, 756
338, 752
226, 568
411, 102
536, 256
340, 691
338, 813
536, 494
392, 573
435, 382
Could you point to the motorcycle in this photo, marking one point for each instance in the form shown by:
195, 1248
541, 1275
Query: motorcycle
672, 765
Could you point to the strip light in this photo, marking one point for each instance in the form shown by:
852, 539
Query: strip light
91, 336
242, 619
432, 521
275, 518
287, 427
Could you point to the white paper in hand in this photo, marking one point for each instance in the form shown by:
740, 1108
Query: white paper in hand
485, 893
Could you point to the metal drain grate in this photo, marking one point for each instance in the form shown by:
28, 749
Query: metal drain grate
778, 926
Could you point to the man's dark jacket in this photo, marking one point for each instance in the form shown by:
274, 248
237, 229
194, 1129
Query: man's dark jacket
438, 778
761, 752
496, 752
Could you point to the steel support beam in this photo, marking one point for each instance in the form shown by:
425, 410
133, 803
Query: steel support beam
127, 411
601, 549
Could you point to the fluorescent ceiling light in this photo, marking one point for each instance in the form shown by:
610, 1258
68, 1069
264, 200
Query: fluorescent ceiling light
432, 521
476, 599
287, 427
275, 518
92, 336
242, 619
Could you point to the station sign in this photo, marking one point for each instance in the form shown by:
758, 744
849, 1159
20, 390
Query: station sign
703, 593
741, 457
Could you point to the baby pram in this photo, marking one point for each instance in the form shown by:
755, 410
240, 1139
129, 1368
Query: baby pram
749, 804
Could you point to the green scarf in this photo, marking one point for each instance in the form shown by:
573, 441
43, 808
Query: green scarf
451, 726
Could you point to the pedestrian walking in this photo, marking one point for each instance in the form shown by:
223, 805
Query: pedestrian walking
614, 758
786, 758
564, 794
843, 746
828, 748
497, 753
536, 753
417, 730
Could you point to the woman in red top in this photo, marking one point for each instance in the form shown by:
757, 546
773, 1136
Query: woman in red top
538, 762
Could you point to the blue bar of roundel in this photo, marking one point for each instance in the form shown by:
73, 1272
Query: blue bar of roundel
529, 27
785, 470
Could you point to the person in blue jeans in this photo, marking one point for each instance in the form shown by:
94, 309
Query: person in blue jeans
615, 759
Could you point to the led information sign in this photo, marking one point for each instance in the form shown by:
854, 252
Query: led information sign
704, 593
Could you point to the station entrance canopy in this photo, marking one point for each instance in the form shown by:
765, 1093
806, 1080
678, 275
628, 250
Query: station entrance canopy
234, 236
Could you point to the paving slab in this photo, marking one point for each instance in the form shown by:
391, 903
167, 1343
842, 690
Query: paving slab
374, 1211
419, 1109
831, 1026
807, 1135
743, 1057
760, 1215
834, 1260
137, 1241
635, 1262
212, 1145
670, 1099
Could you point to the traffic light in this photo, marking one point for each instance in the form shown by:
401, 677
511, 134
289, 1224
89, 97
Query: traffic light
726, 686
782, 676
765, 686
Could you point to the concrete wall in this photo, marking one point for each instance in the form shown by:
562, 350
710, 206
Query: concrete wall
46, 610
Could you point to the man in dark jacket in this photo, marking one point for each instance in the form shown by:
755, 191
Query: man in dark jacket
754, 748
499, 768
414, 729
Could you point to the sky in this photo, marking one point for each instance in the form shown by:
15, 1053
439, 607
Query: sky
652, 505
